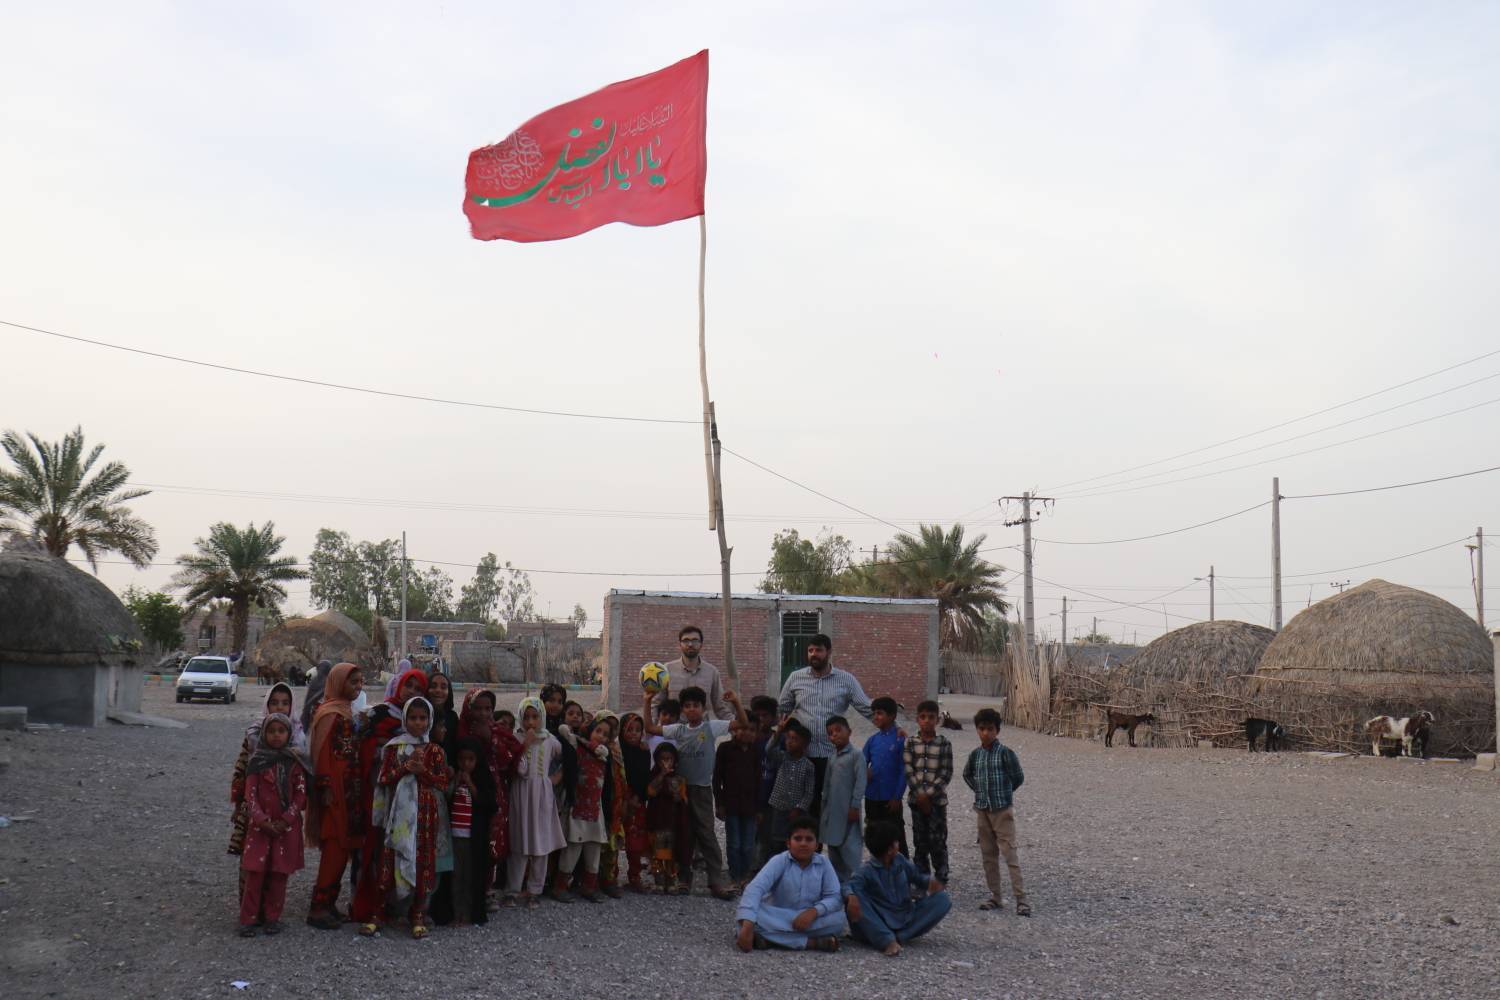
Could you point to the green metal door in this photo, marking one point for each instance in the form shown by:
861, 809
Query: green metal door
797, 629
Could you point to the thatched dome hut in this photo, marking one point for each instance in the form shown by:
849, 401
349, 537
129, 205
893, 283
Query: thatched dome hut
302, 642
1379, 649
1204, 654
69, 650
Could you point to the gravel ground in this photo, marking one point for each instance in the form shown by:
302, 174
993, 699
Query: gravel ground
1153, 872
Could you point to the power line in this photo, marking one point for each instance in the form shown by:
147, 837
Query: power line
1278, 426
804, 486
1127, 604
1161, 534
1296, 437
1278, 458
337, 385
1345, 569
1393, 486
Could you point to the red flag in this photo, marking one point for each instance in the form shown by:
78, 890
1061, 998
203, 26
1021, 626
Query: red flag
633, 152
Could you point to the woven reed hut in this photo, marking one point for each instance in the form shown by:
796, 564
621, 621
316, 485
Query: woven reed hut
302, 642
1194, 679
69, 650
1381, 649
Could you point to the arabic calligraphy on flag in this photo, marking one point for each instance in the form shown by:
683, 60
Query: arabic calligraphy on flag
632, 152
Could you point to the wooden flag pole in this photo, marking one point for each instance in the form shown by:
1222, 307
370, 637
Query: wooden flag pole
711, 452
724, 549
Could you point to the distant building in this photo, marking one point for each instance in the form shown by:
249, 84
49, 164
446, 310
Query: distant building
428, 637
889, 643
207, 632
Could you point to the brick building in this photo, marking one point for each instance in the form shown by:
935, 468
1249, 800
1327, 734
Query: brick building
890, 644
426, 637
207, 631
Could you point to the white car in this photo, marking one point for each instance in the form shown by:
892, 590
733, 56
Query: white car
208, 677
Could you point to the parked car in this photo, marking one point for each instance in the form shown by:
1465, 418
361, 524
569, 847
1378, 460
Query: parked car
208, 677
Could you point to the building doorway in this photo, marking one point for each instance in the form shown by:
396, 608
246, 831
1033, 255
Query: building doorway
797, 630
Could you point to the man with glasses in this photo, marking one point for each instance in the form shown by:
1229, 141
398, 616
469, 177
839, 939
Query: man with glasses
691, 670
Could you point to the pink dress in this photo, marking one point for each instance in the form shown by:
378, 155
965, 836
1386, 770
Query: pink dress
264, 852
534, 824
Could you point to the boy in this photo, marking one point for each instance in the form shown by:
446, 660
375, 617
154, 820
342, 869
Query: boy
763, 714
929, 768
792, 794
670, 715
695, 738
736, 798
843, 790
993, 771
794, 901
879, 899
887, 779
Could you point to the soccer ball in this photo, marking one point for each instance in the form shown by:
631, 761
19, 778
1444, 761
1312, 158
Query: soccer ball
654, 677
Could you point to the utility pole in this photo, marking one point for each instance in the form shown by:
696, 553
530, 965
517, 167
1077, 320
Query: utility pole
1276, 554
1065, 619
403, 595
1210, 593
725, 551
1479, 574
1027, 599
1096, 626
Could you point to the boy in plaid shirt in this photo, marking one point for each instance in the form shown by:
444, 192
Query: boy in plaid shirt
929, 767
994, 773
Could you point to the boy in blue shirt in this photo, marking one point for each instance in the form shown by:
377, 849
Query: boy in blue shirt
886, 784
879, 898
794, 902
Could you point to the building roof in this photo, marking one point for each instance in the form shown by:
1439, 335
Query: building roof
1204, 653
52, 612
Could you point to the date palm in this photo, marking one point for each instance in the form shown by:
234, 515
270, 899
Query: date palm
240, 566
55, 496
940, 564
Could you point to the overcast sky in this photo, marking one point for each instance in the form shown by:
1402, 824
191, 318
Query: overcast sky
955, 252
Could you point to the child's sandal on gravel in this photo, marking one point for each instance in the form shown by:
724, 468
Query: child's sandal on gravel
823, 944
1023, 909
991, 904
369, 930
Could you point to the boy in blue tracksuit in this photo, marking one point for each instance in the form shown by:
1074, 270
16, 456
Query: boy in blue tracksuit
885, 757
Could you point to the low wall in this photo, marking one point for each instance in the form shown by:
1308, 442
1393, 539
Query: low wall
73, 696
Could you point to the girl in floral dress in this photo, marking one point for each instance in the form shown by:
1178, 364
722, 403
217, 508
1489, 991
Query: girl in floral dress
409, 806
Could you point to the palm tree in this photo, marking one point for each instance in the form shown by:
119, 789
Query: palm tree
51, 498
238, 566
940, 564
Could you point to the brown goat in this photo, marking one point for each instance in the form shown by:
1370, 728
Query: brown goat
1119, 720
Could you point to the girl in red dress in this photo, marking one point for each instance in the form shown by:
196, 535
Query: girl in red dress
335, 819
276, 795
409, 808
382, 726
502, 749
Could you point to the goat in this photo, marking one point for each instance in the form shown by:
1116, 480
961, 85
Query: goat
949, 722
1413, 732
1119, 720
1270, 733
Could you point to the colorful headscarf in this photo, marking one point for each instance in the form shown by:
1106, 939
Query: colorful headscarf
394, 684
530, 702
393, 689
397, 810
335, 704
298, 738
404, 738
282, 759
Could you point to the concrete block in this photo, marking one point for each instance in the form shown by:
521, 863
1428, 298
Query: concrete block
13, 717
1205, 744
1485, 762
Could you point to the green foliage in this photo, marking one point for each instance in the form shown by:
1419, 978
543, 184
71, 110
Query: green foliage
496, 593
337, 578
941, 564
158, 615
1096, 639
429, 596
494, 632
50, 496
994, 633
579, 617
802, 566
241, 566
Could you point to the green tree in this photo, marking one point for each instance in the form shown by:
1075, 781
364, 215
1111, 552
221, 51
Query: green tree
158, 616
803, 566
241, 566
336, 574
477, 598
579, 617
994, 633
1096, 639
429, 595
516, 596
381, 563
941, 564
51, 497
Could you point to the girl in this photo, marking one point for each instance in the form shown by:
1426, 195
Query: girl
409, 807
278, 699
471, 805
666, 817
500, 751
276, 795
632, 795
444, 718
314, 696
535, 830
553, 697
586, 825
334, 817
382, 725
609, 859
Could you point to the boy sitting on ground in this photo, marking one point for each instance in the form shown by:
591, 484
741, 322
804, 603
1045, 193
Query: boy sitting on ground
794, 901
879, 899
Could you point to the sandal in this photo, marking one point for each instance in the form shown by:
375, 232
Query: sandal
532, 903
274, 927
419, 931
823, 944
369, 930
509, 900
1023, 909
324, 921
991, 904
247, 930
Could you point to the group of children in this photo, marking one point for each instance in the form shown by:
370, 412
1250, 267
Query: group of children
445, 814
